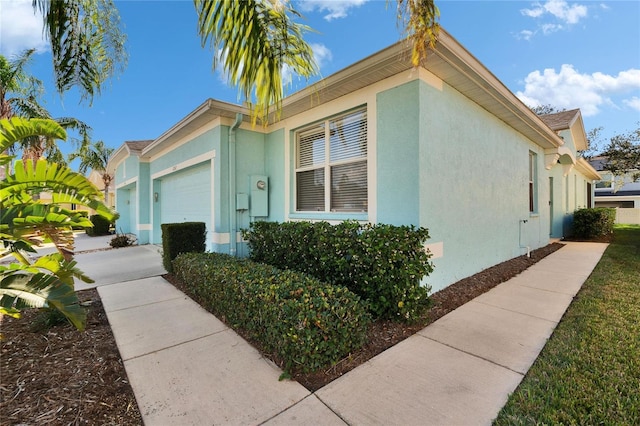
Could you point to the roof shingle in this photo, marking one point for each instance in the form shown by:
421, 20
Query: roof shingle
560, 120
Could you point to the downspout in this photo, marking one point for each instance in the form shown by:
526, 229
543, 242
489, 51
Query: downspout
520, 237
233, 218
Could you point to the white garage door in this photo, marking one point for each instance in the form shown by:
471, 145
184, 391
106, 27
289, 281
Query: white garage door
186, 196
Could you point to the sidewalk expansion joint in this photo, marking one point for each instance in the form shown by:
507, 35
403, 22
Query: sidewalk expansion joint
520, 313
176, 345
331, 409
311, 395
544, 289
150, 303
473, 355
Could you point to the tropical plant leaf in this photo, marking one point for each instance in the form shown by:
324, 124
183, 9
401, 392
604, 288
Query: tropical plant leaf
18, 128
65, 186
12, 312
40, 290
64, 269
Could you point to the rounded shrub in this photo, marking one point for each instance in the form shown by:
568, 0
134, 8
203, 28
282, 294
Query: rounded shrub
383, 264
593, 223
100, 227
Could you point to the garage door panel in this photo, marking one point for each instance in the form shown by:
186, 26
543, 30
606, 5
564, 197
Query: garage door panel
186, 196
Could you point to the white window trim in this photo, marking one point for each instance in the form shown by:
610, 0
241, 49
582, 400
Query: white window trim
328, 164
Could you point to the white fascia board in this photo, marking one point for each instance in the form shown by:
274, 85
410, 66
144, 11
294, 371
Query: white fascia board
183, 165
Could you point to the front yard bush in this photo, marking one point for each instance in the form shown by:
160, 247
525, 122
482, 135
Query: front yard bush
593, 223
179, 238
383, 264
100, 227
300, 320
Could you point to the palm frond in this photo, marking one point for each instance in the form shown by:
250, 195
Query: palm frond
257, 39
420, 19
87, 44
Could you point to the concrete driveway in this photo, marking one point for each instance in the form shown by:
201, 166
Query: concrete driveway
119, 265
105, 265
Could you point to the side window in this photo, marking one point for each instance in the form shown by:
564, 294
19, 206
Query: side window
533, 182
331, 165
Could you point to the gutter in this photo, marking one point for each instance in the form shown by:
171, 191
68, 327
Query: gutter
233, 217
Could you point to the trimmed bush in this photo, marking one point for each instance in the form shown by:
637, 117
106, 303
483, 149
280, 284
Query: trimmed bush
381, 263
306, 323
100, 226
593, 223
179, 238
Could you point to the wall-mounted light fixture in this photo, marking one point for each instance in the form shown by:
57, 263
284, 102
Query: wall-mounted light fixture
155, 196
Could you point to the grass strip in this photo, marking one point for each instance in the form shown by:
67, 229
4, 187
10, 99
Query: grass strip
589, 370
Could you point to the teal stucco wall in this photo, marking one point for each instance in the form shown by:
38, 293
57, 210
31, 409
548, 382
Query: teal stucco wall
397, 155
274, 150
446, 164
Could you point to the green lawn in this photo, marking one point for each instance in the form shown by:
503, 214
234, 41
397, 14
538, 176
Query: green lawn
589, 371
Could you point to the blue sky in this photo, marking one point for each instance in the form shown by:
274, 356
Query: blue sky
582, 54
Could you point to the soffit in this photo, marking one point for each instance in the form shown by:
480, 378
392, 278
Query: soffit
450, 62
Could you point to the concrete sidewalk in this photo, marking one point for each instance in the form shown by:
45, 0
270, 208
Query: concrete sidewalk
186, 367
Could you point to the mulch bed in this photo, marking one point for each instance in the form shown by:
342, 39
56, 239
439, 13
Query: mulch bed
62, 376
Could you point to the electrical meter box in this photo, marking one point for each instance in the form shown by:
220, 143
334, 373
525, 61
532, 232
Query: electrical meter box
242, 202
259, 196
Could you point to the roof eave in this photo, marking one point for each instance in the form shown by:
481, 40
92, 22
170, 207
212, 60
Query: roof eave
117, 157
587, 169
200, 116
450, 62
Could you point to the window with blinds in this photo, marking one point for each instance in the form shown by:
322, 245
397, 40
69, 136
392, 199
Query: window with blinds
331, 165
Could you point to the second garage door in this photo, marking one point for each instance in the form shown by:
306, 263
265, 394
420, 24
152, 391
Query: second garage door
186, 196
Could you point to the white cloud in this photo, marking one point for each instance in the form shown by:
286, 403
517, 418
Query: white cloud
633, 103
571, 89
335, 8
525, 35
559, 12
550, 28
20, 27
560, 9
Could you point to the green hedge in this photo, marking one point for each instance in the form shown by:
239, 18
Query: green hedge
308, 324
101, 226
381, 263
593, 223
179, 238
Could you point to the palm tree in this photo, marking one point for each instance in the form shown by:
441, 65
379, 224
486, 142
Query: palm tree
19, 93
95, 157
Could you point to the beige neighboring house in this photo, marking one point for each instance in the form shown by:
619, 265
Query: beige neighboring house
95, 178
